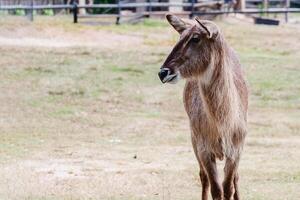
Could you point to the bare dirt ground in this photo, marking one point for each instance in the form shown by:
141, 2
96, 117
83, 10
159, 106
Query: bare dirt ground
84, 116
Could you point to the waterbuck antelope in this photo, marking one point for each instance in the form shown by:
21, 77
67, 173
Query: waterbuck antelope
215, 99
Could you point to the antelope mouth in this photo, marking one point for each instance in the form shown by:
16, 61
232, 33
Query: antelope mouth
170, 78
166, 76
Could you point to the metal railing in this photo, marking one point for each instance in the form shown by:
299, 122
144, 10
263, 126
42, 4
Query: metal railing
192, 5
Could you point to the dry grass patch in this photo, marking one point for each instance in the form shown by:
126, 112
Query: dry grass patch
89, 119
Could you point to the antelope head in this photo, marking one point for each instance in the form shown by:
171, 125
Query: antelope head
192, 54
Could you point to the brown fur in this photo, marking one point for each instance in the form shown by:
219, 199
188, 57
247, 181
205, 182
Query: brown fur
215, 99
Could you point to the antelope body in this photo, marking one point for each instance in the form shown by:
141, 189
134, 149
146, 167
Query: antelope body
215, 99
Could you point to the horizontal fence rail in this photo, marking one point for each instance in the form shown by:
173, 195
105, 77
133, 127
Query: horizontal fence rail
34, 7
121, 5
278, 1
252, 11
137, 5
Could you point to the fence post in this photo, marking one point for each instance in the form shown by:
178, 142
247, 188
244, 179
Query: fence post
287, 6
75, 13
266, 6
150, 8
192, 9
31, 11
119, 13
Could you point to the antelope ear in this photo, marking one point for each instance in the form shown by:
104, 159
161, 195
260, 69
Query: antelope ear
210, 29
178, 24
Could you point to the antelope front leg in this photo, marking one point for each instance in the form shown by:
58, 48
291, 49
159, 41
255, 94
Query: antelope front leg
230, 183
236, 195
204, 180
209, 163
203, 175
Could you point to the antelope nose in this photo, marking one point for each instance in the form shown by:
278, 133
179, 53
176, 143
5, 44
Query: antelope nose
164, 72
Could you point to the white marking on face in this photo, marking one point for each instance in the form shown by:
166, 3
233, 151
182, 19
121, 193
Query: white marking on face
169, 76
176, 78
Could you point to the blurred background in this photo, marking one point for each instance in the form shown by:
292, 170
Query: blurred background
83, 114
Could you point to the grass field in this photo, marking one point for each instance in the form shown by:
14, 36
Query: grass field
83, 114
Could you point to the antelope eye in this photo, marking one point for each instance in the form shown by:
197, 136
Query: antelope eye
195, 38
